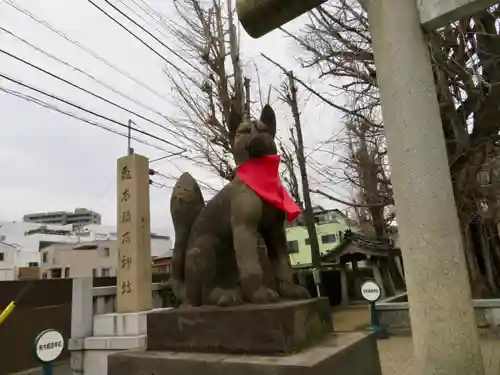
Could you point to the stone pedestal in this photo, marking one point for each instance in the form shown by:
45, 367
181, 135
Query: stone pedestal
281, 328
343, 354
284, 338
110, 333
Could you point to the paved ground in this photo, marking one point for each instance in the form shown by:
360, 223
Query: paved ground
396, 353
61, 368
396, 356
351, 319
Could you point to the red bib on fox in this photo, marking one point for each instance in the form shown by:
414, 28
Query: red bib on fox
262, 176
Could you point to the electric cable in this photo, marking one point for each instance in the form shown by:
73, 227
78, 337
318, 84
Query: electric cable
148, 9
109, 87
166, 156
147, 32
90, 93
84, 109
41, 103
83, 48
142, 17
167, 61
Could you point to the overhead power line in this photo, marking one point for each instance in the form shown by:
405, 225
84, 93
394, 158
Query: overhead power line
161, 186
151, 35
141, 16
90, 93
150, 11
167, 156
143, 42
44, 104
109, 87
83, 48
83, 109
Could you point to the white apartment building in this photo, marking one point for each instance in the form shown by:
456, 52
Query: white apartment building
7, 261
31, 238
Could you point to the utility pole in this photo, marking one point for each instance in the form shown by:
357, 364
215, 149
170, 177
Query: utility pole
130, 150
301, 159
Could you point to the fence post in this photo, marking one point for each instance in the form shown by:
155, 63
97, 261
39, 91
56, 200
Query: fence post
81, 321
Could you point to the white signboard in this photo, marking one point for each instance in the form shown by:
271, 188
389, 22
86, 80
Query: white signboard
49, 345
370, 291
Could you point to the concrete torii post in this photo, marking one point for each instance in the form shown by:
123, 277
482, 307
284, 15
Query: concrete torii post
443, 323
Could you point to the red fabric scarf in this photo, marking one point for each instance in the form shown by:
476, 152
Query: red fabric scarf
262, 176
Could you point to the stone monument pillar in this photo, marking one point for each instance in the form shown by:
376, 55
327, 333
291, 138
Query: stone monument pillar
442, 318
134, 235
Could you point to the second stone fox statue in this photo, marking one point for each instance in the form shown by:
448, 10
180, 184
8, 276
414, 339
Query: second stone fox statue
217, 258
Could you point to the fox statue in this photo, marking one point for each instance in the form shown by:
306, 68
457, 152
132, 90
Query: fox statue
217, 258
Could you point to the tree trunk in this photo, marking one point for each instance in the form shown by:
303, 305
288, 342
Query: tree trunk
486, 255
308, 212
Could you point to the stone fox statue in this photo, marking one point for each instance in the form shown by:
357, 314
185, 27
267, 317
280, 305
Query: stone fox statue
217, 258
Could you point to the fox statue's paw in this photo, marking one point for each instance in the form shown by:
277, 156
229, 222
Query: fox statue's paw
292, 291
225, 297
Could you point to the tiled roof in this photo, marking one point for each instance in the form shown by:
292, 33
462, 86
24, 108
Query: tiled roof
367, 244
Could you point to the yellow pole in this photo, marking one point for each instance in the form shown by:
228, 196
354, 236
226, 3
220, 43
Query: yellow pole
6, 312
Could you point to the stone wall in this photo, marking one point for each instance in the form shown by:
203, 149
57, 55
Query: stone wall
394, 315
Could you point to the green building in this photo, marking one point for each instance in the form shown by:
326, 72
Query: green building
330, 228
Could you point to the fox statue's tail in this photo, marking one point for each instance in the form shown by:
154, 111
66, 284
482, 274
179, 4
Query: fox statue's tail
186, 204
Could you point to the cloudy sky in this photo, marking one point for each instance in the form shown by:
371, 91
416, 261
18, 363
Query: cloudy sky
50, 161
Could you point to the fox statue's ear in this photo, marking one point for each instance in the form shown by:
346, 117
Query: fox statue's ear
268, 117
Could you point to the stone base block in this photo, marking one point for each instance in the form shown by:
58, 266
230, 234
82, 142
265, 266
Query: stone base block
115, 343
122, 324
97, 349
339, 353
280, 328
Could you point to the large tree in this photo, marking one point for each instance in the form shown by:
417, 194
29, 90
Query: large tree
465, 57
212, 92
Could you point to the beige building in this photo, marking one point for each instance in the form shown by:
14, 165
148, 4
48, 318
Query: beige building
88, 259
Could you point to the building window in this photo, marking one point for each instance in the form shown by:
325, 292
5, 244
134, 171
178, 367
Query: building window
94, 272
2, 237
56, 273
44, 258
2, 257
33, 264
293, 247
105, 252
44, 275
308, 242
105, 272
66, 272
329, 238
